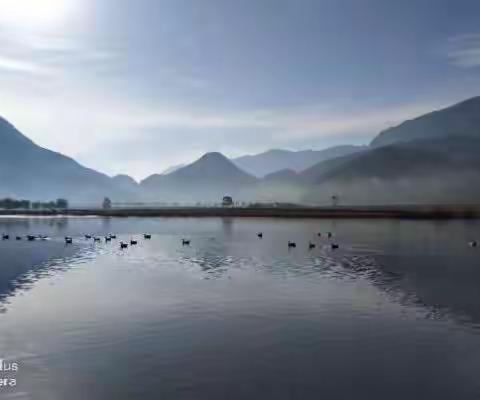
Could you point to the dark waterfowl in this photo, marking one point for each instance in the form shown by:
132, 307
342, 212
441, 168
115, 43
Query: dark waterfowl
147, 236
319, 234
311, 245
334, 246
96, 239
88, 236
5, 237
108, 239
31, 238
260, 234
473, 243
185, 242
18, 238
133, 242
329, 235
123, 245
291, 244
68, 240
112, 236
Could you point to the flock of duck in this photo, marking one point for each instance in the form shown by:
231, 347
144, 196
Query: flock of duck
96, 239
30, 238
147, 236
185, 242
311, 245
123, 245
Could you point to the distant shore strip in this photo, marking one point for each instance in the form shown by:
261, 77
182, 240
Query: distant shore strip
405, 212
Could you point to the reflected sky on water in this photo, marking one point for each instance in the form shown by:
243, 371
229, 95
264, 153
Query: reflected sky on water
393, 313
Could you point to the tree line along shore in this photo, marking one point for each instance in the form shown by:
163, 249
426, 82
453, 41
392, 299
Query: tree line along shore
401, 211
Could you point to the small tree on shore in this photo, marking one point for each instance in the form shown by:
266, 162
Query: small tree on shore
107, 203
62, 204
335, 200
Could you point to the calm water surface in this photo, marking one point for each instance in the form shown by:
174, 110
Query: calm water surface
393, 314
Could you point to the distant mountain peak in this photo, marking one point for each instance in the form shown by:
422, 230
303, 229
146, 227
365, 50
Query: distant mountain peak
214, 156
210, 177
213, 164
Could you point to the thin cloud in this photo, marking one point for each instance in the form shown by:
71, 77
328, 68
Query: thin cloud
464, 50
21, 66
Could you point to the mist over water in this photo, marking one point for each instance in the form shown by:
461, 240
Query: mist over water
393, 313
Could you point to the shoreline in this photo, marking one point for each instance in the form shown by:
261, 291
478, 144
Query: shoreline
353, 212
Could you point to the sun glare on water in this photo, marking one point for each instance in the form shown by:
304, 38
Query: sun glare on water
33, 14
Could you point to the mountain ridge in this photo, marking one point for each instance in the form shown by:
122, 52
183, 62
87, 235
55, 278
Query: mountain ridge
460, 119
28, 170
274, 160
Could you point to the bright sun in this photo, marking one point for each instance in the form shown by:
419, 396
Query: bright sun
33, 14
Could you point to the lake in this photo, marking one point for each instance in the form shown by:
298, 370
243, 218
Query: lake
394, 313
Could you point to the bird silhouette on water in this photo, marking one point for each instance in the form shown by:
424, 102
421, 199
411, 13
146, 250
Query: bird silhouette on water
473, 243
291, 244
68, 240
260, 234
311, 245
123, 245
147, 236
185, 242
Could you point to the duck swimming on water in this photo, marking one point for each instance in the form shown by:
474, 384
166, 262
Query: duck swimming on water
185, 242
311, 245
260, 234
291, 244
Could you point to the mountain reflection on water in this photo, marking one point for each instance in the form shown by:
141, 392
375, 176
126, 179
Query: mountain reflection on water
408, 289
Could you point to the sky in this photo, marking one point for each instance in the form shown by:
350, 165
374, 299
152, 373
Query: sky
135, 86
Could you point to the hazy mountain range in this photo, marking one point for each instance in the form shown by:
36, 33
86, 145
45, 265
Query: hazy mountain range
272, 161
430, 159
